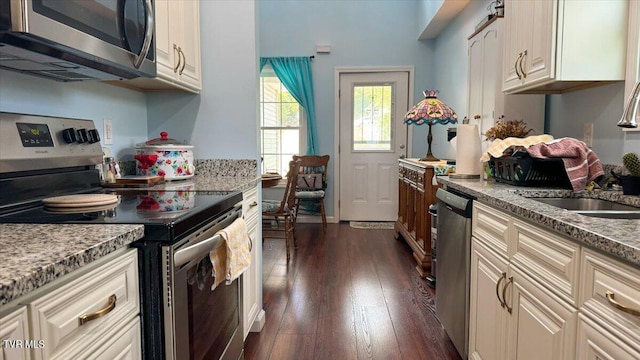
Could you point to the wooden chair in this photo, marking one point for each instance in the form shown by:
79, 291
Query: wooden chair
283, 210
312, 185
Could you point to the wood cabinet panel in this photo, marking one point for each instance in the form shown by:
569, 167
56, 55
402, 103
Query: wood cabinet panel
415, 194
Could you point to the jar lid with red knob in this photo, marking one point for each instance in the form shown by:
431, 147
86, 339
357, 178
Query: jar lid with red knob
164, 142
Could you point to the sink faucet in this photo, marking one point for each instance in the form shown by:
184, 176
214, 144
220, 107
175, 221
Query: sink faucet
630, 113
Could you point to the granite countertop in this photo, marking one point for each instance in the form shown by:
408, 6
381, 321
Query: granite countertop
618, 237
33, 255
205, 184
213, 175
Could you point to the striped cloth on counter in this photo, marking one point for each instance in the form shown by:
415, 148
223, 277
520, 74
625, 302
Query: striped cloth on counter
580, 162
498, 146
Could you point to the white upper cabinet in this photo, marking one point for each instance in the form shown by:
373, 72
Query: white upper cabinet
553, 46
486, 100
177, 40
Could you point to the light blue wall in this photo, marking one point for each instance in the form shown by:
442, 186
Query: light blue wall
84, 100
601, 106
361, 34
222, 121
451, 62
427, 9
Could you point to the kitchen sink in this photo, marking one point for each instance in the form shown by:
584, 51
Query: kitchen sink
594, 207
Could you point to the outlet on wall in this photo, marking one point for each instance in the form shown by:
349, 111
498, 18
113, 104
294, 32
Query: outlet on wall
108, 131
587, 134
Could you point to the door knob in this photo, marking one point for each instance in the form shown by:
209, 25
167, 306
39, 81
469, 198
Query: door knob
402, 146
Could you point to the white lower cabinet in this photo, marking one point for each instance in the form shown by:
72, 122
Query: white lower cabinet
610, 308
596, 343
125, 344
92, 313
14, 331
87, 310
545, 296
488, 318
253, 315
541, 324
512, 316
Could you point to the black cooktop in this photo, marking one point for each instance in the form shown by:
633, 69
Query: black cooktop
166, 215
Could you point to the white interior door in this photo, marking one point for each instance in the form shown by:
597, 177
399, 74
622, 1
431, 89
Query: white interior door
372, 138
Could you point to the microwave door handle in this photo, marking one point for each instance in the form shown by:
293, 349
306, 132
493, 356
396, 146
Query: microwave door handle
146, 45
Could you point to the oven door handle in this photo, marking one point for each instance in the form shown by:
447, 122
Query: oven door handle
196, 251
199, 248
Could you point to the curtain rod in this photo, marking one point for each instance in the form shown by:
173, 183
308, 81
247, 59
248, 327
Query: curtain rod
312, 57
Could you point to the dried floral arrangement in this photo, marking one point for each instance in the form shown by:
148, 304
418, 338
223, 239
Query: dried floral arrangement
507, 128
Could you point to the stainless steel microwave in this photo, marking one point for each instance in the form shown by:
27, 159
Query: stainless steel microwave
74, 40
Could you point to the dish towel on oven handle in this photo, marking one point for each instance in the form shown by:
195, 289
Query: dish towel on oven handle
218, 257
238, 253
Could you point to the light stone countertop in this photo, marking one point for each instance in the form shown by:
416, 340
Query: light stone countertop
204, 184
33, 255
617, 237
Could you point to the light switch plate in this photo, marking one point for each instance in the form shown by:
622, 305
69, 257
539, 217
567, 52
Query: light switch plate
108, 132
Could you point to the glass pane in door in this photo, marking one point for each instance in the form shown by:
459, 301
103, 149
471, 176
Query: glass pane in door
372, 110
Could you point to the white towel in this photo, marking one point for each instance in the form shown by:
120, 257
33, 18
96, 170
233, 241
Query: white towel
238, 249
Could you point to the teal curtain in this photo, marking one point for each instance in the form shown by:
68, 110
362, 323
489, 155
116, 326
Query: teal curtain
295, 75
263, 62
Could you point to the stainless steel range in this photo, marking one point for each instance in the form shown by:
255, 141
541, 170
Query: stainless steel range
182, 318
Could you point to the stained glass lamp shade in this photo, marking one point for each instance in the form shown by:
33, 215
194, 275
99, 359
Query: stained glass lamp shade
430, 111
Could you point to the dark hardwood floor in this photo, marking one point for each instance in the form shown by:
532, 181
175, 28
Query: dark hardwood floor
349, 294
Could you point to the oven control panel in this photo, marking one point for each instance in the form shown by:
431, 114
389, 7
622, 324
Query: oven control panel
31, 142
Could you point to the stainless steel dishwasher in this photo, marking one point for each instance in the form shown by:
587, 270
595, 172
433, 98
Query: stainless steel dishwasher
452, 267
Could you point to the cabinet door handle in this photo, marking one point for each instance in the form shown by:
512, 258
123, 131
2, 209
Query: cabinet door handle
253, 204
502, 277
177, 49
100, 313
184, 60
611, 299
515, 66
504, 294
524, 74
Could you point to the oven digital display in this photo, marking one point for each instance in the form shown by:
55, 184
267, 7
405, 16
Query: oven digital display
35, 135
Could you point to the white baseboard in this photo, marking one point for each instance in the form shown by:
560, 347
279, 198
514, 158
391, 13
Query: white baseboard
258, 323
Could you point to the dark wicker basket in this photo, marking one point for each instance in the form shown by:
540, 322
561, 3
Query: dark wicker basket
527, 171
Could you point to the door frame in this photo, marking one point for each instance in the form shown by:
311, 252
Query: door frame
336, 104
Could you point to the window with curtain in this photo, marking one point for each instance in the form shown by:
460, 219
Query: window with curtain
282, 124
